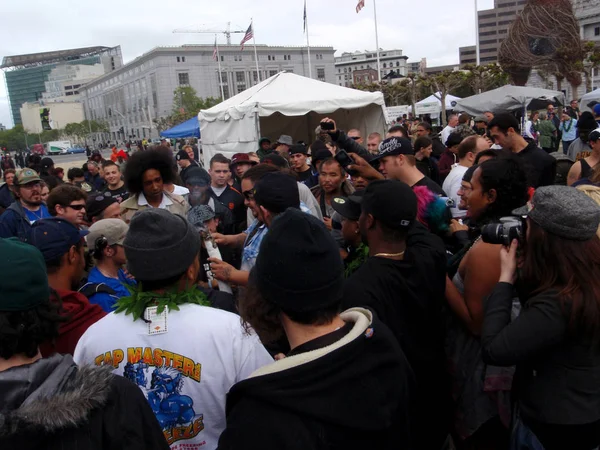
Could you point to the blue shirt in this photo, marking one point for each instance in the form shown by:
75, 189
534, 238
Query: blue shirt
255, 234
570, 135
104, 300
33, 216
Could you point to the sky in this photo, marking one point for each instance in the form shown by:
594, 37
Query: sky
432, 29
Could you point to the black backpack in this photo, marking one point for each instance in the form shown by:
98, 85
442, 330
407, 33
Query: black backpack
91, 289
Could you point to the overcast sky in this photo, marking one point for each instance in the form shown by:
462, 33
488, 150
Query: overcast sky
432, 29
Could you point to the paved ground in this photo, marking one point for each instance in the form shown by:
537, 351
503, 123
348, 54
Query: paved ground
76, 160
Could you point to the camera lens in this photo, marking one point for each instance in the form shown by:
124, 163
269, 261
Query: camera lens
492, 233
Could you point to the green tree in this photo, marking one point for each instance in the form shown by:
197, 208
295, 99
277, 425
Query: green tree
485, 77
441, 84
187, 104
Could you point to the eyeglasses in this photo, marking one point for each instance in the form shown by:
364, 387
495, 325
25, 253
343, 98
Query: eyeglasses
249, 195
76, 207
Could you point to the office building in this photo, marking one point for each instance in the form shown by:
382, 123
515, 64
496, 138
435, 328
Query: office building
130, 97
55, 76
38, 117
390, 61
493, 25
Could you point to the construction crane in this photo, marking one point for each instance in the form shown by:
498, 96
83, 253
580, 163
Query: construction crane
227, 32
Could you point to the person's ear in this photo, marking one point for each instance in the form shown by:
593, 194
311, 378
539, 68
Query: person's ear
60, 210
191, 274
370, 221
492, 195
73, 255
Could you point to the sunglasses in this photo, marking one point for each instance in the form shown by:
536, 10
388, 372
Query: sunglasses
249, 194
75, 207
356, 138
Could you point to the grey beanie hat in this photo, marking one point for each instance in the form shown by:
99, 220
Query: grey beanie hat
160, 245
563, 211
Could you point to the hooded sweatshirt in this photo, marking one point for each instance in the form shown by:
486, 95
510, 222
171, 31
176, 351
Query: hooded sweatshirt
80, 314
53, 404
350, 394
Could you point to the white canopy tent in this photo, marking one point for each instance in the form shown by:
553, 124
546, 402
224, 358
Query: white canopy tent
589, 98
432, 105
286, 104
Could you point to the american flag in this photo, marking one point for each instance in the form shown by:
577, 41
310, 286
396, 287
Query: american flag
360, 5
215, 50
305, 16
249, 35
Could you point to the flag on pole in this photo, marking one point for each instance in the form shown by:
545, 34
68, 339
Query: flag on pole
360, 5
215, 50
249, 35
305, 16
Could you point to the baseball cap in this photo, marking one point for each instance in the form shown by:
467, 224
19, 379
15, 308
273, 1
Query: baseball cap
597, 109
391, 202
277, 191
480, 119
285, 139
199, 214
594, 135
394, 146
298, 148
27, 176
241, 158
24, 281
348, 207
182, 154
563, 211
55, 236
114, 230
98, 203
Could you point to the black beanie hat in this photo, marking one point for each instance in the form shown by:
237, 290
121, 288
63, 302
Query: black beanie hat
153, 254
299, 266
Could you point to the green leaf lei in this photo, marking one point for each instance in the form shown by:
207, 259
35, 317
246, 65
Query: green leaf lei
136, 303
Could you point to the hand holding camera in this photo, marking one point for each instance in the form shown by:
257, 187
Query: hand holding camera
508, 263
328, 125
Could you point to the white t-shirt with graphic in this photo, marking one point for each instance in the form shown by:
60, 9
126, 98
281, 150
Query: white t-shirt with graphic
184, 373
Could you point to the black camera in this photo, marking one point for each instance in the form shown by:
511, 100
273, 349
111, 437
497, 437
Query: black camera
504, 231
327, 126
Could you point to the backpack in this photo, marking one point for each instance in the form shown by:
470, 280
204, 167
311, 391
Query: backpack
91, 289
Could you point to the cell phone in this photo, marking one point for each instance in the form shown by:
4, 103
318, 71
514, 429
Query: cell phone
327, 126
344, 159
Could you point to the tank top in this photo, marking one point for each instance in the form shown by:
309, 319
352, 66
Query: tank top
586, 169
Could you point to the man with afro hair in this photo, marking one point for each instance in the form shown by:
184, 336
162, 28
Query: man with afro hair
145, 175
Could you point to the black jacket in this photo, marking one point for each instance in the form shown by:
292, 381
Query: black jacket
350, 145
233, 200
54, 405
408, 297
539, 166
557, 380
437, 146
351, 394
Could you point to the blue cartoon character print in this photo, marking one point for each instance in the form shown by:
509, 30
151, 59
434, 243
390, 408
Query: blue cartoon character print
169, 405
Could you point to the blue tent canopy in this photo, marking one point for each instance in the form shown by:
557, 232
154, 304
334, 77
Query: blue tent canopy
189, 128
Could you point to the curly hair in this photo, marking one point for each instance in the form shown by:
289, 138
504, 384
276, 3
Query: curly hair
158, 158
22, 332
506, 176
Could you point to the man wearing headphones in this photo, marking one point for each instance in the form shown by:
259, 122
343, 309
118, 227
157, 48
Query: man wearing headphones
107, 280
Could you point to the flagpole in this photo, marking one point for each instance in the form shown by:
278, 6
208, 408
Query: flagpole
477, 61
255, 55
219, 63
377, 41
307, 41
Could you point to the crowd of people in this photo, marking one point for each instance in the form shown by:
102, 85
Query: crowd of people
413, 290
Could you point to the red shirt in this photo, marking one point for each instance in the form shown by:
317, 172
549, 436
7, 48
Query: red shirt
81, 314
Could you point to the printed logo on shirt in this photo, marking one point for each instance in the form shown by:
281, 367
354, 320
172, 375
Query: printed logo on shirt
231, 205
161, 375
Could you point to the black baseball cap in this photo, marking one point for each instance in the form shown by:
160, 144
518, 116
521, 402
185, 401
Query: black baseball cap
394, 146
197, 176
453, 140
277, 191
391, 202
55, 236
98, 203
348, 207
298, 148
275, 160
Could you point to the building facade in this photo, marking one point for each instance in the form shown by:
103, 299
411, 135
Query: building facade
390, 60
129, 98
55, 76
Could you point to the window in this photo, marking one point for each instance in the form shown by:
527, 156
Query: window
321, 73
223, 77
184, 79
222, 58
272, 73
178, 59
397, 63
226, 92
183, 59
240, 77
269, 57
488, 41
597, 31
241, 87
